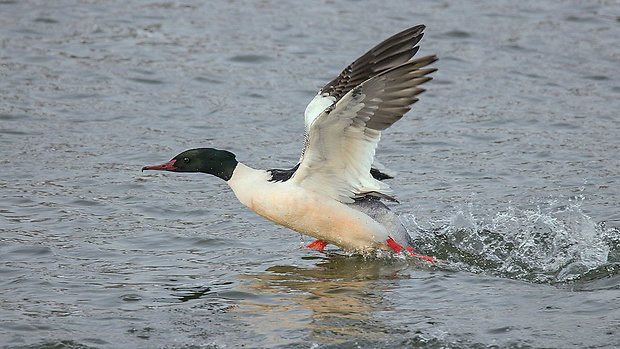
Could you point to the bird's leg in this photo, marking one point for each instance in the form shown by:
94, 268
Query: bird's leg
398, 248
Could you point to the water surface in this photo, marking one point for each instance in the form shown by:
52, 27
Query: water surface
508, 170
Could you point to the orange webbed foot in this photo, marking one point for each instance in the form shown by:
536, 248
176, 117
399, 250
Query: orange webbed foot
398, 248
318, 245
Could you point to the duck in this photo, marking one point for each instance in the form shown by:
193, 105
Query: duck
336, 193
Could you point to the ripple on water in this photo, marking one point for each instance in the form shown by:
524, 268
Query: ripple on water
560, 245
255, 59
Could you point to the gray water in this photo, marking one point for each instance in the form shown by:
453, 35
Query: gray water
508, 170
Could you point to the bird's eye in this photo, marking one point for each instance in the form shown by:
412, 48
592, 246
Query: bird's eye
185, 159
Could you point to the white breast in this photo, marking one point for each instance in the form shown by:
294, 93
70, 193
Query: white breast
307, 212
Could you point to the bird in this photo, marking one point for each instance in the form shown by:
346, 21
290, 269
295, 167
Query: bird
336, 193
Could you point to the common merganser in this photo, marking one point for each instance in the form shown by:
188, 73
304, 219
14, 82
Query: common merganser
334, 194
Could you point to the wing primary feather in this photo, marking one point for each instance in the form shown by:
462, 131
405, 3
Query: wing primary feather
390, 53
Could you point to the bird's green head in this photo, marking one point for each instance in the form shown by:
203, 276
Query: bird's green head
220, 163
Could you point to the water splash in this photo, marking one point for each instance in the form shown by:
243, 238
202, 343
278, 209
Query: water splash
550, 244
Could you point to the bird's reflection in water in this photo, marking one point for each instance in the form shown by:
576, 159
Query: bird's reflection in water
334, 299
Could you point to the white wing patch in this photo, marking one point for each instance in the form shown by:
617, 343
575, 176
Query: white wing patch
342, 139
339, 153
316, 106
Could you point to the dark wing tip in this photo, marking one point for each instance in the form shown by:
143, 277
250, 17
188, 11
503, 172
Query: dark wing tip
390, 53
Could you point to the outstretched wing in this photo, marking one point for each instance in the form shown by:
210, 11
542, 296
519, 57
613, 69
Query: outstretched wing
343, 138
393, 51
